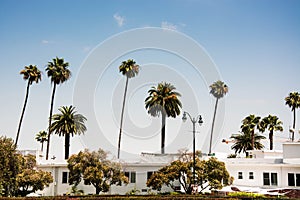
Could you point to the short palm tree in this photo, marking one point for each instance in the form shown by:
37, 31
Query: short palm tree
163, 100
58, 72
243, 142
32, 74
218, 89
293, 101
41, 137
129, 69
67, 123
272, 123
249, 125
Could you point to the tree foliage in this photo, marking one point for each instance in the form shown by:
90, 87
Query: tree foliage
211, 173
18, 173
95, 169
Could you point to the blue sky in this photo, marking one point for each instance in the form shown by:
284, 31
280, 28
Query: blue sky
255, 46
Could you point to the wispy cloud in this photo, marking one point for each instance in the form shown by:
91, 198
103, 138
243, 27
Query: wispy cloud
168, 25
86, 49
119, 19
45, 41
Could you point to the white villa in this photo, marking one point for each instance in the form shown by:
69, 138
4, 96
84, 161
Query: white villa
264, 170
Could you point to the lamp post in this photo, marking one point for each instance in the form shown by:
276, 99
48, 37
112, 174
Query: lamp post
194, 120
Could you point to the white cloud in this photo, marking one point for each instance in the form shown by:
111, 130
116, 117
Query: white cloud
168, 25
86, 49
45, 42
119, 19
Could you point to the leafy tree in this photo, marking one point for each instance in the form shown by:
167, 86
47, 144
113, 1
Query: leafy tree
58, 72
129, 69
18, 174
248, 126
243, 142
9, 166
163, 100
30, 179
32, 74
95, 169
67, 124
41, 137
218, 89
293, 101
272, 123
211, 173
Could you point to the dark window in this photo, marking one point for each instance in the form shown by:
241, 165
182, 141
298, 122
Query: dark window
149, 174
65, 176
133, 177
127, 174
274, 179
251, 175
266, 178
291, 179
240, 175
297, 179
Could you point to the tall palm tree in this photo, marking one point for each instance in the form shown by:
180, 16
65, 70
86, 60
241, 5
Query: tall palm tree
163, 100
129, 69
32, 74
218, 89
293, 101
41, 137
58, 72
249, 124
272, 123
243, 142
67, 124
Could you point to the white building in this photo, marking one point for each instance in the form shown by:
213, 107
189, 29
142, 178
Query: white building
265, 170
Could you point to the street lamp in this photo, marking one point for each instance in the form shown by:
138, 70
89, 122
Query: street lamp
194, 121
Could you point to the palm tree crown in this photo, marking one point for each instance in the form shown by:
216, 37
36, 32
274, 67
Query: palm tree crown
293, 101
41, 137
58, 71
243, 142
163, 100
218, 89
67, 124
249, 124
32, 74
129, 68
271, 123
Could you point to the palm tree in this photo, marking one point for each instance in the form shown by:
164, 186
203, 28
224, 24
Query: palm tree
32, 74
163, 100
272, 123
67, 124
59, 73
243, 142
293, 101
249, 124
129, 69
41, 137
218, 89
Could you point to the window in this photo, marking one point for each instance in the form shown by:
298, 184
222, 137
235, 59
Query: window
65, 177
240, 175
251, 175
293, 179
149, 174
131, 176
270, 178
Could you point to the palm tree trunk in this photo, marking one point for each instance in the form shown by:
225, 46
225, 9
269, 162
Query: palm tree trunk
163, 132
42, 148
67, 145
294, 125
271, 140
50, 118
252, 139
23, 111
212, 127
122, 116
